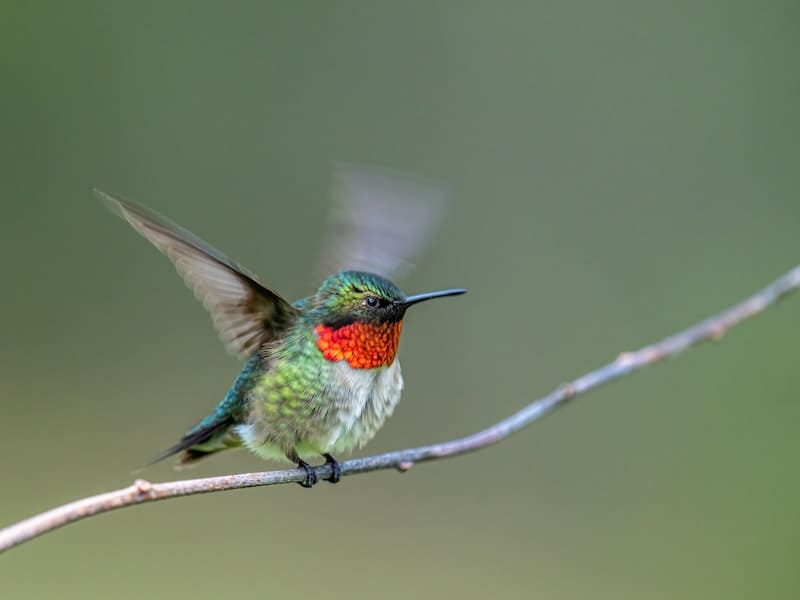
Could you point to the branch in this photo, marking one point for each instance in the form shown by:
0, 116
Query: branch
142, 491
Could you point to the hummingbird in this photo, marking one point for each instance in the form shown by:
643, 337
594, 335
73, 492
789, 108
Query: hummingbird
321, 375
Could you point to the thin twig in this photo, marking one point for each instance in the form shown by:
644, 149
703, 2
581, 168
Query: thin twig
141, 491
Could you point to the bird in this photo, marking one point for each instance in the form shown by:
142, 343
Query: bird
320, 375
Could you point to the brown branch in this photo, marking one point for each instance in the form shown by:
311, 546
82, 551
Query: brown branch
141, 491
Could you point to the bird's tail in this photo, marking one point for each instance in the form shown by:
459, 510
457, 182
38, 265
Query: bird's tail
216, 432
207, 437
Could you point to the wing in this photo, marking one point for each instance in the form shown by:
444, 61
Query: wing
245, 313
380, 219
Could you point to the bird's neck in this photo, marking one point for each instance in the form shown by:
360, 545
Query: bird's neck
362, 345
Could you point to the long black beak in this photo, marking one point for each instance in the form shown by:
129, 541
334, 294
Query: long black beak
409, 300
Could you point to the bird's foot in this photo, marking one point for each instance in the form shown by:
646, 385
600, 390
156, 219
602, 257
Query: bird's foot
311, 476
336, 471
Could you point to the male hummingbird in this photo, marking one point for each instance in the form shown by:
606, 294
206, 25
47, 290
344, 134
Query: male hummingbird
321, 375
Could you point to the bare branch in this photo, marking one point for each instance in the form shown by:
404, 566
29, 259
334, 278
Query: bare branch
141, 491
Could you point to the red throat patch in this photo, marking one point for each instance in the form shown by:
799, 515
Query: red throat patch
362, 345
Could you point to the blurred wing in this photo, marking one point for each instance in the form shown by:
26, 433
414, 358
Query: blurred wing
380, 219
245, 313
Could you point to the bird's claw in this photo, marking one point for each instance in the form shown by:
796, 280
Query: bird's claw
311, 475
336, 470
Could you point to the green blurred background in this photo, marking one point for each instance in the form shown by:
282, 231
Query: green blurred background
621, 170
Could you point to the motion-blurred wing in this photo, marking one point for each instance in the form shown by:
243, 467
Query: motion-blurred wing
380, 219
245, 313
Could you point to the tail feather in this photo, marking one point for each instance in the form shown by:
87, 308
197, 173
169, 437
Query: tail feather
215, 433
199, 435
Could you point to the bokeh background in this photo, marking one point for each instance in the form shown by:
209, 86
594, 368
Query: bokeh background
621, 170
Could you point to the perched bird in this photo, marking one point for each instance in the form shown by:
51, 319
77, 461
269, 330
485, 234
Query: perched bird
321, 375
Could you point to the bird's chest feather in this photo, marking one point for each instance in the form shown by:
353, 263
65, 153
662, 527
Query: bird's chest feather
365, 399
303, 400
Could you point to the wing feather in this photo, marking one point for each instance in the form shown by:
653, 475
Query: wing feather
380, 219
245, 312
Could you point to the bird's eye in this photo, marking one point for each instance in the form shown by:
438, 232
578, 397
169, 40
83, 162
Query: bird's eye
371, 301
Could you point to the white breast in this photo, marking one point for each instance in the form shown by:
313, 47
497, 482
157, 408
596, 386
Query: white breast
373, 394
